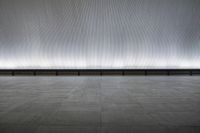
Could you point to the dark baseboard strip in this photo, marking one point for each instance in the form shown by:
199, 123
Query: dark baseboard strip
125, 72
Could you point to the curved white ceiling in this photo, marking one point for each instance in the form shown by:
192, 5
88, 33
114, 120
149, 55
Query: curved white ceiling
99, 34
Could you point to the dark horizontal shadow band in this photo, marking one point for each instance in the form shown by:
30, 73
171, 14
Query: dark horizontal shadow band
99, 72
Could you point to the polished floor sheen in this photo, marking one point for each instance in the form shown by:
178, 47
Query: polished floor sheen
150, 104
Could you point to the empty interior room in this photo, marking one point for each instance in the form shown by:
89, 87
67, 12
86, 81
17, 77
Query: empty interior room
99, 66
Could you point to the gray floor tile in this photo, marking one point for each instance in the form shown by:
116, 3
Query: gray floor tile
67, 129
100, 104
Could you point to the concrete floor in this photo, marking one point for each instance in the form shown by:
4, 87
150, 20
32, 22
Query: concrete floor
100, 104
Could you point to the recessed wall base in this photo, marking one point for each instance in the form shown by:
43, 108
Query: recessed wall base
101, 72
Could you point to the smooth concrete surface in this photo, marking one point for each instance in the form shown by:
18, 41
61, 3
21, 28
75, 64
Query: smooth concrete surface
95, 104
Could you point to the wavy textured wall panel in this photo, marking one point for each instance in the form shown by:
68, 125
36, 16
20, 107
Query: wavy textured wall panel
99, 34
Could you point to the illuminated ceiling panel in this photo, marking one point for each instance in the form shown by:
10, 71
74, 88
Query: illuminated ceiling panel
99, 34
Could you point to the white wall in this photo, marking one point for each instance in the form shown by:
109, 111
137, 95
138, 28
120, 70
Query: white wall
99, 34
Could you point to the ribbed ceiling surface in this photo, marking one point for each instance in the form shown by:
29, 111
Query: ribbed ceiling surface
99, 34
